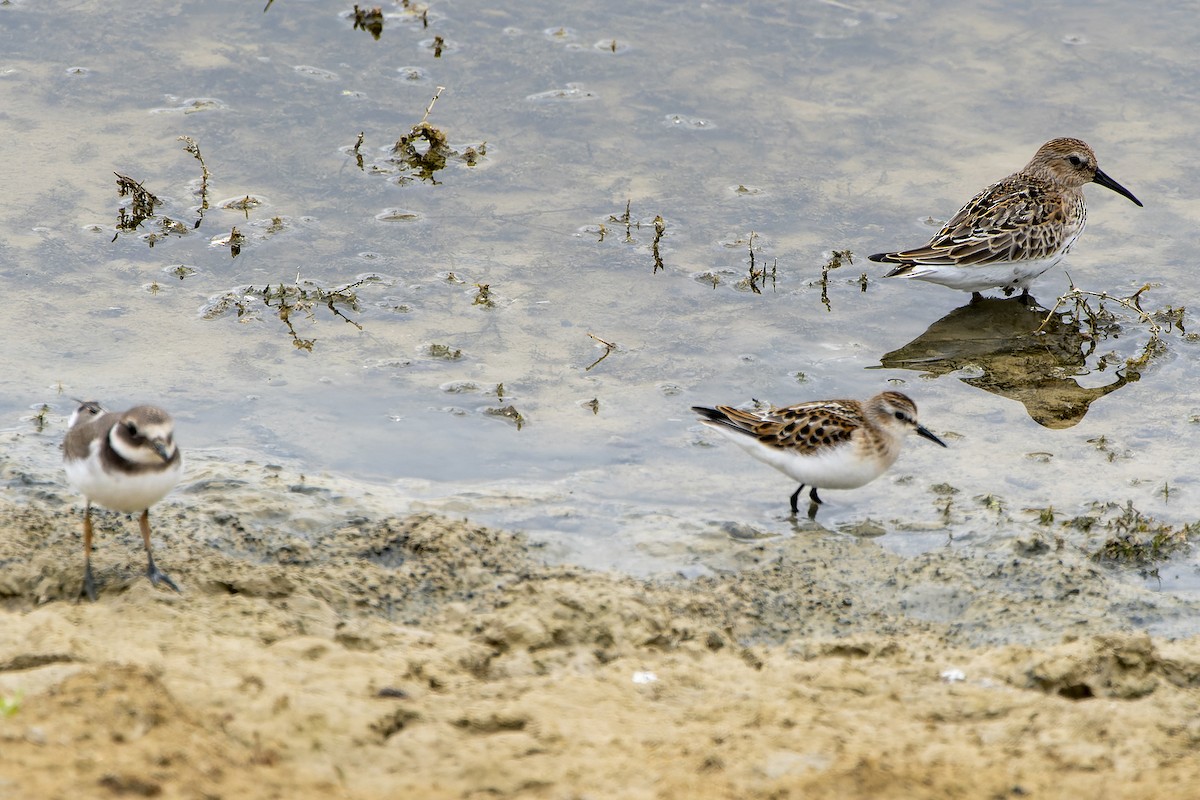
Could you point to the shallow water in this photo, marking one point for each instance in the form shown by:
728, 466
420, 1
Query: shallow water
816, 128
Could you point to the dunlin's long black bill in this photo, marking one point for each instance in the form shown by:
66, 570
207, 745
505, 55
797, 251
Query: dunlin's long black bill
1109, 183
928, 434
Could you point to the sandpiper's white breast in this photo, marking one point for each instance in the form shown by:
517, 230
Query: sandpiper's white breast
841, 466
128, 492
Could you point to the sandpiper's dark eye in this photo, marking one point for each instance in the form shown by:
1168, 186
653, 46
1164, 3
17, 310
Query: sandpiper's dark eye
1075, 161
132, 428
900, 415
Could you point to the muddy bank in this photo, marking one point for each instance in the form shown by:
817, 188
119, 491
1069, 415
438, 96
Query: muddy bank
324, 648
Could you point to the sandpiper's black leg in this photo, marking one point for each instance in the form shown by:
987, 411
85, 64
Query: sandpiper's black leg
813, 496
976, 297
88, 589
155, 575
795, 499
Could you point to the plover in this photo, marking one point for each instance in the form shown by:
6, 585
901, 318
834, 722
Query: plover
124, 462
825, 444
1014, 230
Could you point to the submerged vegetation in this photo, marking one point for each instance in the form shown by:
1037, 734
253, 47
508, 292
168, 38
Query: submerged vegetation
626, 220
1092, 314
757, 277
1133, 538
143, 204
837, 258
420, 153
290, 302
190, 146
370, 20
141, 207
608, 348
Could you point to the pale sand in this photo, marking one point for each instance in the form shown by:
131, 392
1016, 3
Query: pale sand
426, 657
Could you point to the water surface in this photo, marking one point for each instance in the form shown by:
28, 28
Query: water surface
792, 131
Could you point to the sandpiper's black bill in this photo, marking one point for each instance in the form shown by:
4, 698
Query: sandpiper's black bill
928, 434
1109, 183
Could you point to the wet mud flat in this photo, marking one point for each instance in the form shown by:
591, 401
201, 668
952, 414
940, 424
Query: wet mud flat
322, 647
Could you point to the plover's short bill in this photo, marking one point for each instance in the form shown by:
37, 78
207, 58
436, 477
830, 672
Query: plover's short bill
1014, 230
825, 444
124, 462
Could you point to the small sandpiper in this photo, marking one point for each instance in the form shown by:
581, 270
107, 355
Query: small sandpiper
1014, 230
825, 444
124, 462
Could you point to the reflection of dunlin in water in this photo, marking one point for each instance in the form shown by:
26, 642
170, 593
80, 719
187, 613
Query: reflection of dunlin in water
997, 338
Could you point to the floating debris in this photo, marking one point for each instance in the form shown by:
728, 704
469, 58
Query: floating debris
315, 72
836, 258
422, 152
1098, 322
757, 277
627, 221
370, 20
190, 146
571, 92
483, 296
509, 413
1132, 537
245, 204
397, 215
192, 105
236, 240
660, 228
286, 300
142, 204
691, 123
608, 348
182, 271
445, 352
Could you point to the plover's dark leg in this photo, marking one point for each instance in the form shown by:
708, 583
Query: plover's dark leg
155, 575
813, 496
89, 584
795, 498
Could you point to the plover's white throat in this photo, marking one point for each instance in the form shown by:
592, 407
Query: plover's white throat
124, 462
825, 444
1014, 230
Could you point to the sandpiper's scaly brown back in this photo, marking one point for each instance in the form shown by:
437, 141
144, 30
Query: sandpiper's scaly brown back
825, 444
1014, 230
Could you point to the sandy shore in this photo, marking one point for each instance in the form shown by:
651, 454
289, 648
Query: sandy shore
321, 648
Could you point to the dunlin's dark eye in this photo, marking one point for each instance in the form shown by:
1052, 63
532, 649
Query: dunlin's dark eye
1075, 161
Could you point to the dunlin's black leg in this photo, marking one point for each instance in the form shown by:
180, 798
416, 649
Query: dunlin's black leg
813, 496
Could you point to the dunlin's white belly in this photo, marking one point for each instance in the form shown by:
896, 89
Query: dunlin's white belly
977, 278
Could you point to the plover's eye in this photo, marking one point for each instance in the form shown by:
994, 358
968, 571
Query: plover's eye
132, 428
